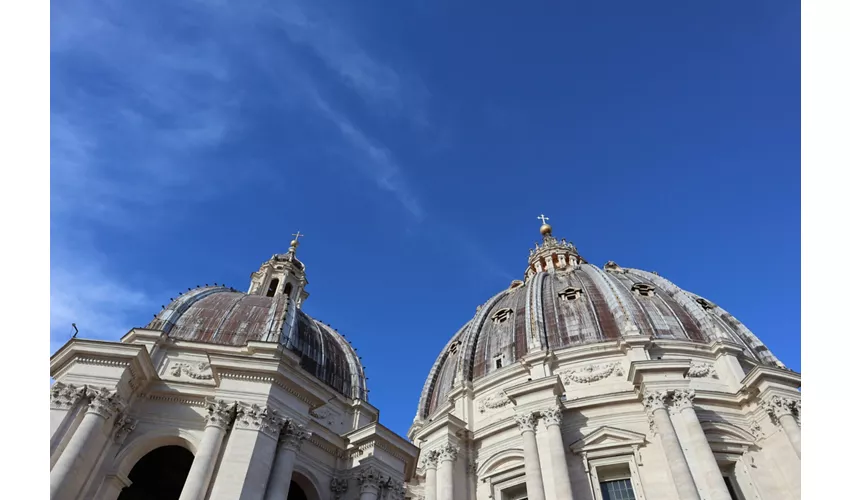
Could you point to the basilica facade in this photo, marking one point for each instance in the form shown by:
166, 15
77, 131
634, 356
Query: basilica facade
574, 383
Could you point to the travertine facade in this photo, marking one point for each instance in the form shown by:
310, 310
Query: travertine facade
587, 383
574, 383
269, 403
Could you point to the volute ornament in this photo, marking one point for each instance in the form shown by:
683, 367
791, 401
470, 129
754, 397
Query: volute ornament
654, 400
369, 478
66, 396
448, 453
105, 403
260, 418
682, 399
430, 459
779, 406
525, 422
294, 435
551, 416
219, 413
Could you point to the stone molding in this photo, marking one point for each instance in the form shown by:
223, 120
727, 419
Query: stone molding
219, 413
552, 416
447, 453
430, 459
494, 401
339, 486
779, 406
526, 422
124, 425
756, 431
682, 399
105, 403
66, 396
699, 370
293, 436
259, 418
591, 373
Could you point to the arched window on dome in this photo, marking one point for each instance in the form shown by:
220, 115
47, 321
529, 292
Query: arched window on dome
272, 287
287, 290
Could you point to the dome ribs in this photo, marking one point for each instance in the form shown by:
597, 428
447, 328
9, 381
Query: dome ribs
604, 315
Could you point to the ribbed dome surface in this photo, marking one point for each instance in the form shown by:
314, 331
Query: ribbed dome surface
222, 315
559, 307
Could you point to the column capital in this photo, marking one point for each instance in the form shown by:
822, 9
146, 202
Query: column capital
219, 413
526, 421
682, 399
105, 403
124, 425
259, 418
552, 416
293, 436
369, 480
66, 396
430, 459
338, 487
655, 400
447, 453
779, 406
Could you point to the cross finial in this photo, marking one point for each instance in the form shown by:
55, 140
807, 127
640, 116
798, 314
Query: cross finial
543, 218
297, 235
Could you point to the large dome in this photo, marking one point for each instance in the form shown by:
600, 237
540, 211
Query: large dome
270, 312
565, 302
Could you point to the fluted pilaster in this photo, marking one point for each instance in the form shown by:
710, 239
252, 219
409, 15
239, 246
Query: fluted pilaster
656, 405
782, 410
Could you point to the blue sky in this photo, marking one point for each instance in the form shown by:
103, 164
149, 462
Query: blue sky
414, 143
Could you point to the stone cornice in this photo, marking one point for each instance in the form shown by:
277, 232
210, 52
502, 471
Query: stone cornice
760, 377
601, 399
453, 423
641, 372
132, 356
541, 388
379, 436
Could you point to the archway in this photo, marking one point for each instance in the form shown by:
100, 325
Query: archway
160, 474
302, 487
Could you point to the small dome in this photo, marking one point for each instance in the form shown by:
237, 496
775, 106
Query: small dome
221, 315
565, 302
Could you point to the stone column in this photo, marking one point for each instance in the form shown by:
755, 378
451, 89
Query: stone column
445, 472
560, 471
64, 399
781, 410
655, 403
291, 439
370, 484
706, 464
430, 461
533, 474
249, 454
218, 419
76, 461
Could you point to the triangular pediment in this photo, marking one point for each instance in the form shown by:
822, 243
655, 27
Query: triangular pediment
608, 437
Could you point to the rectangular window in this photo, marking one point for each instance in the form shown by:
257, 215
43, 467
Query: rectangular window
620, 489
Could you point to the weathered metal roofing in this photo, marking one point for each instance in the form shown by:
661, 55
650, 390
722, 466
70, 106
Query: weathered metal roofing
222, 315
565, 307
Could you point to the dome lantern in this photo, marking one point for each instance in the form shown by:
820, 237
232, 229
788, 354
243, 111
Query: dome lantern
552, 254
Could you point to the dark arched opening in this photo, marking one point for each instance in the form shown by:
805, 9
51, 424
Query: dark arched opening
295, 492
160, 474
272, 287
287, 289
